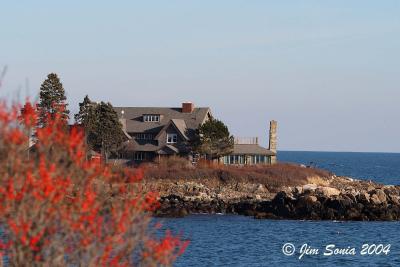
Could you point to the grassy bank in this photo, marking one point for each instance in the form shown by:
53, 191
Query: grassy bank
277, 175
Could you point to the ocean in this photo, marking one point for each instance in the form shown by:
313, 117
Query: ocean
228, 240
380, 167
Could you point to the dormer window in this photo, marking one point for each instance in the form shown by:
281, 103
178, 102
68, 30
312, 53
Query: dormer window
144, 136
151, 118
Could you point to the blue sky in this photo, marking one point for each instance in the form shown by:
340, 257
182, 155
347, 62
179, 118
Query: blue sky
327, 71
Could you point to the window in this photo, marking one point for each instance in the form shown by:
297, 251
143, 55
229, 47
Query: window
172, 138
151, 118
138, 156
226, 160
144, 136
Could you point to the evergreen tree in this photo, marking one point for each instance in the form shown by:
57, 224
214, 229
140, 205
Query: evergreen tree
52, 99
107, 132
85, 117
213, 139
102, 127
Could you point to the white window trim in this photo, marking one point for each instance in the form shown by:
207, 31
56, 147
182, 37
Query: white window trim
174, 138
139, 156
151, 118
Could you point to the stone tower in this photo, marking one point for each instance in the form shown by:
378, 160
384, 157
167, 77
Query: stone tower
273, 139
122, 120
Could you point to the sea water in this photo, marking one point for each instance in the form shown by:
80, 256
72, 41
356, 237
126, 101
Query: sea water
228, 240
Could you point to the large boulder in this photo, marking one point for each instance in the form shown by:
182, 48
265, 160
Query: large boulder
375, 199
347, 201
309, 188
311, 199
298, 190
328, 191
395, 199
364, 197
381, 195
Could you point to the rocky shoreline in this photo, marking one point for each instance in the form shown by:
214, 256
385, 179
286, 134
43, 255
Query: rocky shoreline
335, 198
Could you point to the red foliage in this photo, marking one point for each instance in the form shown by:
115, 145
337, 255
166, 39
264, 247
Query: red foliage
60, 209
161, 250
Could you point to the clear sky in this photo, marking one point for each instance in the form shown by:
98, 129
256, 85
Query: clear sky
327, 71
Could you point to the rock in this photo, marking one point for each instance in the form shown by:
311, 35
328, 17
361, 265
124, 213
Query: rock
329, 214
381, 195
375, 199
346, 201
364, 197
172, 212
309, 187
353, 214
260, 189
389, 189
287, 189
328, 191
204, 197
395, 199
265, 215
280, 198
354, 192
339, 200
298, 190
311, 199
370, 188
352, 197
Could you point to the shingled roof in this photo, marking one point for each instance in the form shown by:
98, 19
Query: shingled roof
254, 149
135, 124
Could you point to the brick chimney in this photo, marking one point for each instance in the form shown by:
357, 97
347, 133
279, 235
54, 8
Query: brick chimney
273, 138
187, 107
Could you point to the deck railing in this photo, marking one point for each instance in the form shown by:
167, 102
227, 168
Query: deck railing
246, 140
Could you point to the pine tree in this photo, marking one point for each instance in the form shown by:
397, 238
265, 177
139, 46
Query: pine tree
108, 129
85, 117
52, 99
213, 139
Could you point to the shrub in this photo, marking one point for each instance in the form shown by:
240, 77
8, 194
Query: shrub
174, 162
58, 209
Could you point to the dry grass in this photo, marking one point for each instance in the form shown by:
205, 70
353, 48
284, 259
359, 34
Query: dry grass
318, 181
272, 175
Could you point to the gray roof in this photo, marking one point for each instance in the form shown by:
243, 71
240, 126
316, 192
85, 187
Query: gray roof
167, 149
251, 149
133, 145
135, 124
181, 126
185, 123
